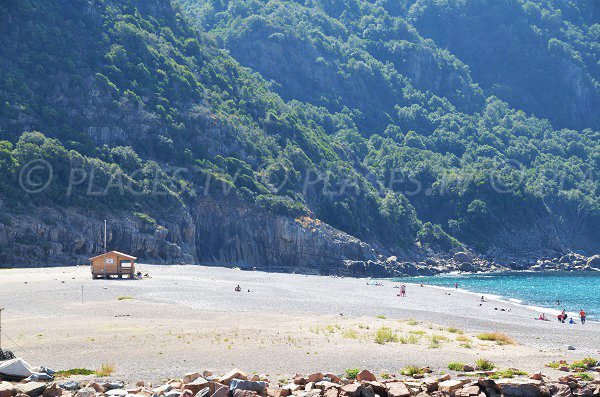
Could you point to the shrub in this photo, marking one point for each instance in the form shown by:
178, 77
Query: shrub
351, 373
456, 366
105, 370
74, 371
484, 365
350, 334
585, 376
498, 337
381, 316
384, 335
453, 330
412, 370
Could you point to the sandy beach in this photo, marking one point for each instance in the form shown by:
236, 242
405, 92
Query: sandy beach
187, 318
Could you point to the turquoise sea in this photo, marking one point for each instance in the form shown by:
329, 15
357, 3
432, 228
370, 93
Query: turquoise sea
542, 290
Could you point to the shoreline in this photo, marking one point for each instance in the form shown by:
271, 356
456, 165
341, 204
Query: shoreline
185, 316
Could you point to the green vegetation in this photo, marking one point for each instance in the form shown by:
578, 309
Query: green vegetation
456, 366
585, 376
384, 335
484, 365
351, 373
74, 371
454, 330
123, 298
411, 370
507, 373
138, 94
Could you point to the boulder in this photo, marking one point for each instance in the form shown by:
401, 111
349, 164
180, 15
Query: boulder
53, 390
222, 391
113, 385
468, 391
196, 385
190, 377
32, 389
379, 388
451, 386
69, 385
86, 392
367, 392
123, 393
520, 387
233, 374
239, 384
461, 257
398, 389
7, 389
333, 378
96, 386
331, 392
245, 393
317, 377
430, 385
467, 267
351, 390
365, 375
277, 392
203, 393
324, 385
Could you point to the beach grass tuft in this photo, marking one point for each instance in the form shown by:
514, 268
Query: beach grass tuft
106, 370
74, 371
352, 373
484, 365
412, 370
456, 366
508, 373
498, 337
454, 330
381, 316
412, 322
350, 334
384, 335
124, 298
584, 376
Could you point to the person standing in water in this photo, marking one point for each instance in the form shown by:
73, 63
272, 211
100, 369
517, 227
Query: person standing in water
582, 316
455, 285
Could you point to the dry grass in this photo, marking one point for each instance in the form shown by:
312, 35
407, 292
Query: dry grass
106, 370
498, 337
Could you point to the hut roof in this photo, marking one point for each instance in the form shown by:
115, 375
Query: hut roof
116, 253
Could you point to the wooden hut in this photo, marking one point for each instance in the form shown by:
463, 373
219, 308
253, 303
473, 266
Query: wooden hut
113, 263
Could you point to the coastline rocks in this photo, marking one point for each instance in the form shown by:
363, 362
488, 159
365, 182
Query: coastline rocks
7, 389
520, 387
460, 257
365, 375
593, 262
32, 389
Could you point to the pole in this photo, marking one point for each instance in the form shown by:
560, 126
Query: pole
105, 248
82, 293
1, 308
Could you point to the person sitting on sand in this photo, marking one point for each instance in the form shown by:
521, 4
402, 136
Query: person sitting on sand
238, 288
582, 316
543, 317
571, 321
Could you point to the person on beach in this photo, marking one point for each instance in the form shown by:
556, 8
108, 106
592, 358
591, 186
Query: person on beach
571, 321
543, 317
455, 285
403, 290
582, 316
238, 289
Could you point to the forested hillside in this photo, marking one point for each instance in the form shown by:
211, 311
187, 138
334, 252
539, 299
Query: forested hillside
297, 133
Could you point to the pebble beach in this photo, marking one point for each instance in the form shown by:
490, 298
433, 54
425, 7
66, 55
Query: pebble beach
186, 318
